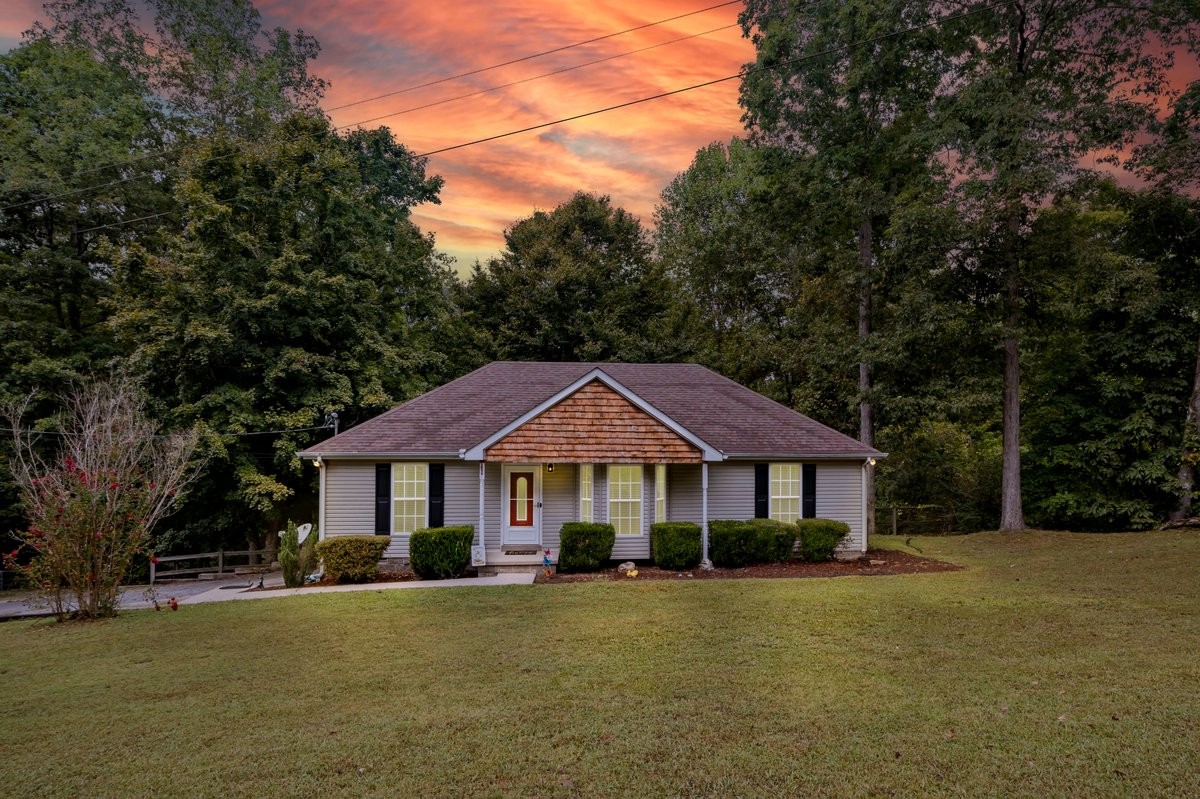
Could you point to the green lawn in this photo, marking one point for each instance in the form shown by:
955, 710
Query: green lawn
1054, 665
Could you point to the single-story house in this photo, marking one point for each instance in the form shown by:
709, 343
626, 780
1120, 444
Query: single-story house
517, 449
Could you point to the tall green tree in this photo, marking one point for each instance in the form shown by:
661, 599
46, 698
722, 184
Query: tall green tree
61, 112
575, 283
297, 286
1038, 85
725, 252
1171, 159
1110, 366
210, 63
833, 82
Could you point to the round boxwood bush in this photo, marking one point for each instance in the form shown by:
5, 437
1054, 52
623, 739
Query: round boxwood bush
776, 540
732, 543
441, 553
585, 546
675, 545
820, 537
352, 558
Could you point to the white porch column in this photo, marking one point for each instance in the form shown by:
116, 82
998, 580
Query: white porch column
479, 558
705, 563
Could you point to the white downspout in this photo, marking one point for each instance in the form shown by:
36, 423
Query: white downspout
705, 563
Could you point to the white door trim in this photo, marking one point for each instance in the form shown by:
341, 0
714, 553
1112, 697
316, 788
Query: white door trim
521, 536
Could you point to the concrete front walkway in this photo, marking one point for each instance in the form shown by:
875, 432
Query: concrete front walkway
275, 582
26, 604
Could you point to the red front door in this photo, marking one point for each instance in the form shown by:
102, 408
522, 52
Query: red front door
520, 499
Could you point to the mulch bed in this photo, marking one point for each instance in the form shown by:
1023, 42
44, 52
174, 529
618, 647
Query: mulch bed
875, 562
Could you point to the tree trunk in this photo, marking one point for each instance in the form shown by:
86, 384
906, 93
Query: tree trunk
1191, 449
1012, 517
866, 413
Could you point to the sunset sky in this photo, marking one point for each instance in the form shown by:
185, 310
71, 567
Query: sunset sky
370, 48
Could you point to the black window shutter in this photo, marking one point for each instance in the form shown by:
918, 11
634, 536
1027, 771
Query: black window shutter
808, 499
437, 494
762, 490
383, 499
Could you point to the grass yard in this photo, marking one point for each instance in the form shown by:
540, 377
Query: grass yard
1054, 665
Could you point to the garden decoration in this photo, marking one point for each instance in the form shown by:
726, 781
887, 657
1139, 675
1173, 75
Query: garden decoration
547, 566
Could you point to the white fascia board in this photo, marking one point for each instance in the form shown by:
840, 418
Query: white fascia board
800, 456
382, 456
476, 453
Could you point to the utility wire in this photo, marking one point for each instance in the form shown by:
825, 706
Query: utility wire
210, 159
535, 77
530, 57
536, 55
659, 96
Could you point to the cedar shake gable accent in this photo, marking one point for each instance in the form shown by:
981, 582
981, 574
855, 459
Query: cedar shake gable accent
594, 425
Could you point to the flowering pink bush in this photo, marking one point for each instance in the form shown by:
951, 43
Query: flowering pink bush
91, 509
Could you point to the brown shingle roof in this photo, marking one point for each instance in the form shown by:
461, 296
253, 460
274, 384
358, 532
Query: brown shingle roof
464, 412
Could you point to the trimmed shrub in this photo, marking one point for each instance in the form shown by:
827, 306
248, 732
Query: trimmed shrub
441, 553
776, 540
352, 558
585, 546
732, 543
675, 545
820, 537
289, 556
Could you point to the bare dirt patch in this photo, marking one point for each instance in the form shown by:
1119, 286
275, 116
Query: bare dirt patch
875, 562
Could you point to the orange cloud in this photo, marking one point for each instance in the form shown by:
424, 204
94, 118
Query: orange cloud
629, 154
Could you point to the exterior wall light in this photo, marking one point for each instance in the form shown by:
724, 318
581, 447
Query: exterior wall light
549, 468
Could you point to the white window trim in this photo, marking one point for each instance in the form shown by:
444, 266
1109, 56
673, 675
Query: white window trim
392, 530
641, 498
772, 496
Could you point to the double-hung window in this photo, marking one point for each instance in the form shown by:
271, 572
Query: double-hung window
586, 504
785, 492
660, 492
625, 498
410, 508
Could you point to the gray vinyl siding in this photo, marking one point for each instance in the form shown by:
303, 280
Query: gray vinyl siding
462, 495
349, 498
839, 496
560, 503
730, 491
731, 494
493, 505
683, 493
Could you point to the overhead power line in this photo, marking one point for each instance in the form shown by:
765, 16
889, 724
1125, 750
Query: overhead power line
530, 57
536, 55
627, 104
535, 77
223, 156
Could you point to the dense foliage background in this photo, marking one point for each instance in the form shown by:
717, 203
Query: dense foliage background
905, 245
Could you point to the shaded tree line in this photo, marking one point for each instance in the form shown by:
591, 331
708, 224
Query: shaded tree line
908, 244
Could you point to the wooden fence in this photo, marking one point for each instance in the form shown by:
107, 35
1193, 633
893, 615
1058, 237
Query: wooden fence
914, 520
218, 562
